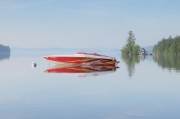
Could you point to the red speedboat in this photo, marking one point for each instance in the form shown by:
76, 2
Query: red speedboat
82, 58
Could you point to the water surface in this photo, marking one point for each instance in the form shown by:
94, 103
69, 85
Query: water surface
142, 88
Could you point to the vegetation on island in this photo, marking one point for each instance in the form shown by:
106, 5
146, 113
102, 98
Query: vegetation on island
168, 46
130, 48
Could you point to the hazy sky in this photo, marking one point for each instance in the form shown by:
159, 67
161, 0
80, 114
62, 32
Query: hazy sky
87, 23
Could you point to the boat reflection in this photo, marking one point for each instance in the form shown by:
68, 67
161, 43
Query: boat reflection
81, 71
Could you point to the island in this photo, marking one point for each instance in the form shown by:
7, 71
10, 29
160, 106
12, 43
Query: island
130, 47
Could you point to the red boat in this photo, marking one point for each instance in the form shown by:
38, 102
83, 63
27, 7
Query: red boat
81, 71
82, 58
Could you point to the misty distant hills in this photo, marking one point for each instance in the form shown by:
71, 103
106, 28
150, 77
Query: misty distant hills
149, 48
18, 52
74, 50
69, 50
39, 52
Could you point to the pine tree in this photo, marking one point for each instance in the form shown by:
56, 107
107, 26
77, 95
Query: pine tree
130, 47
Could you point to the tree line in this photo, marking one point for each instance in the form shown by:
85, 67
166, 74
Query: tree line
168, 46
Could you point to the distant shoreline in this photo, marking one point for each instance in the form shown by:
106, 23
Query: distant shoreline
4, 52
4, 49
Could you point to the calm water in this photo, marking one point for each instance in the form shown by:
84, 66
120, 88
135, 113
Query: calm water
142, 88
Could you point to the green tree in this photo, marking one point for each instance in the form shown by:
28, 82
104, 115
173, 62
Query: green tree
130, 47
136, 49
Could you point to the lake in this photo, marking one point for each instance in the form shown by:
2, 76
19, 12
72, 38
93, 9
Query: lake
141, 88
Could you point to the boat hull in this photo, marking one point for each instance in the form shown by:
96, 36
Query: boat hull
82, 60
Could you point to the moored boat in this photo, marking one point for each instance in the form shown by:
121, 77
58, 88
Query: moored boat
82, 58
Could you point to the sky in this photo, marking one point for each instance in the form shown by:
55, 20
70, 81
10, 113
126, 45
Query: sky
86, 23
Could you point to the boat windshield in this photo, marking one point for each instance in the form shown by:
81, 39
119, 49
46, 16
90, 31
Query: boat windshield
95, 54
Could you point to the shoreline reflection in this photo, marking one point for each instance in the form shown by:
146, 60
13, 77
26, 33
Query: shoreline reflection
130, 62
168, 62
81, 71
4, 56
